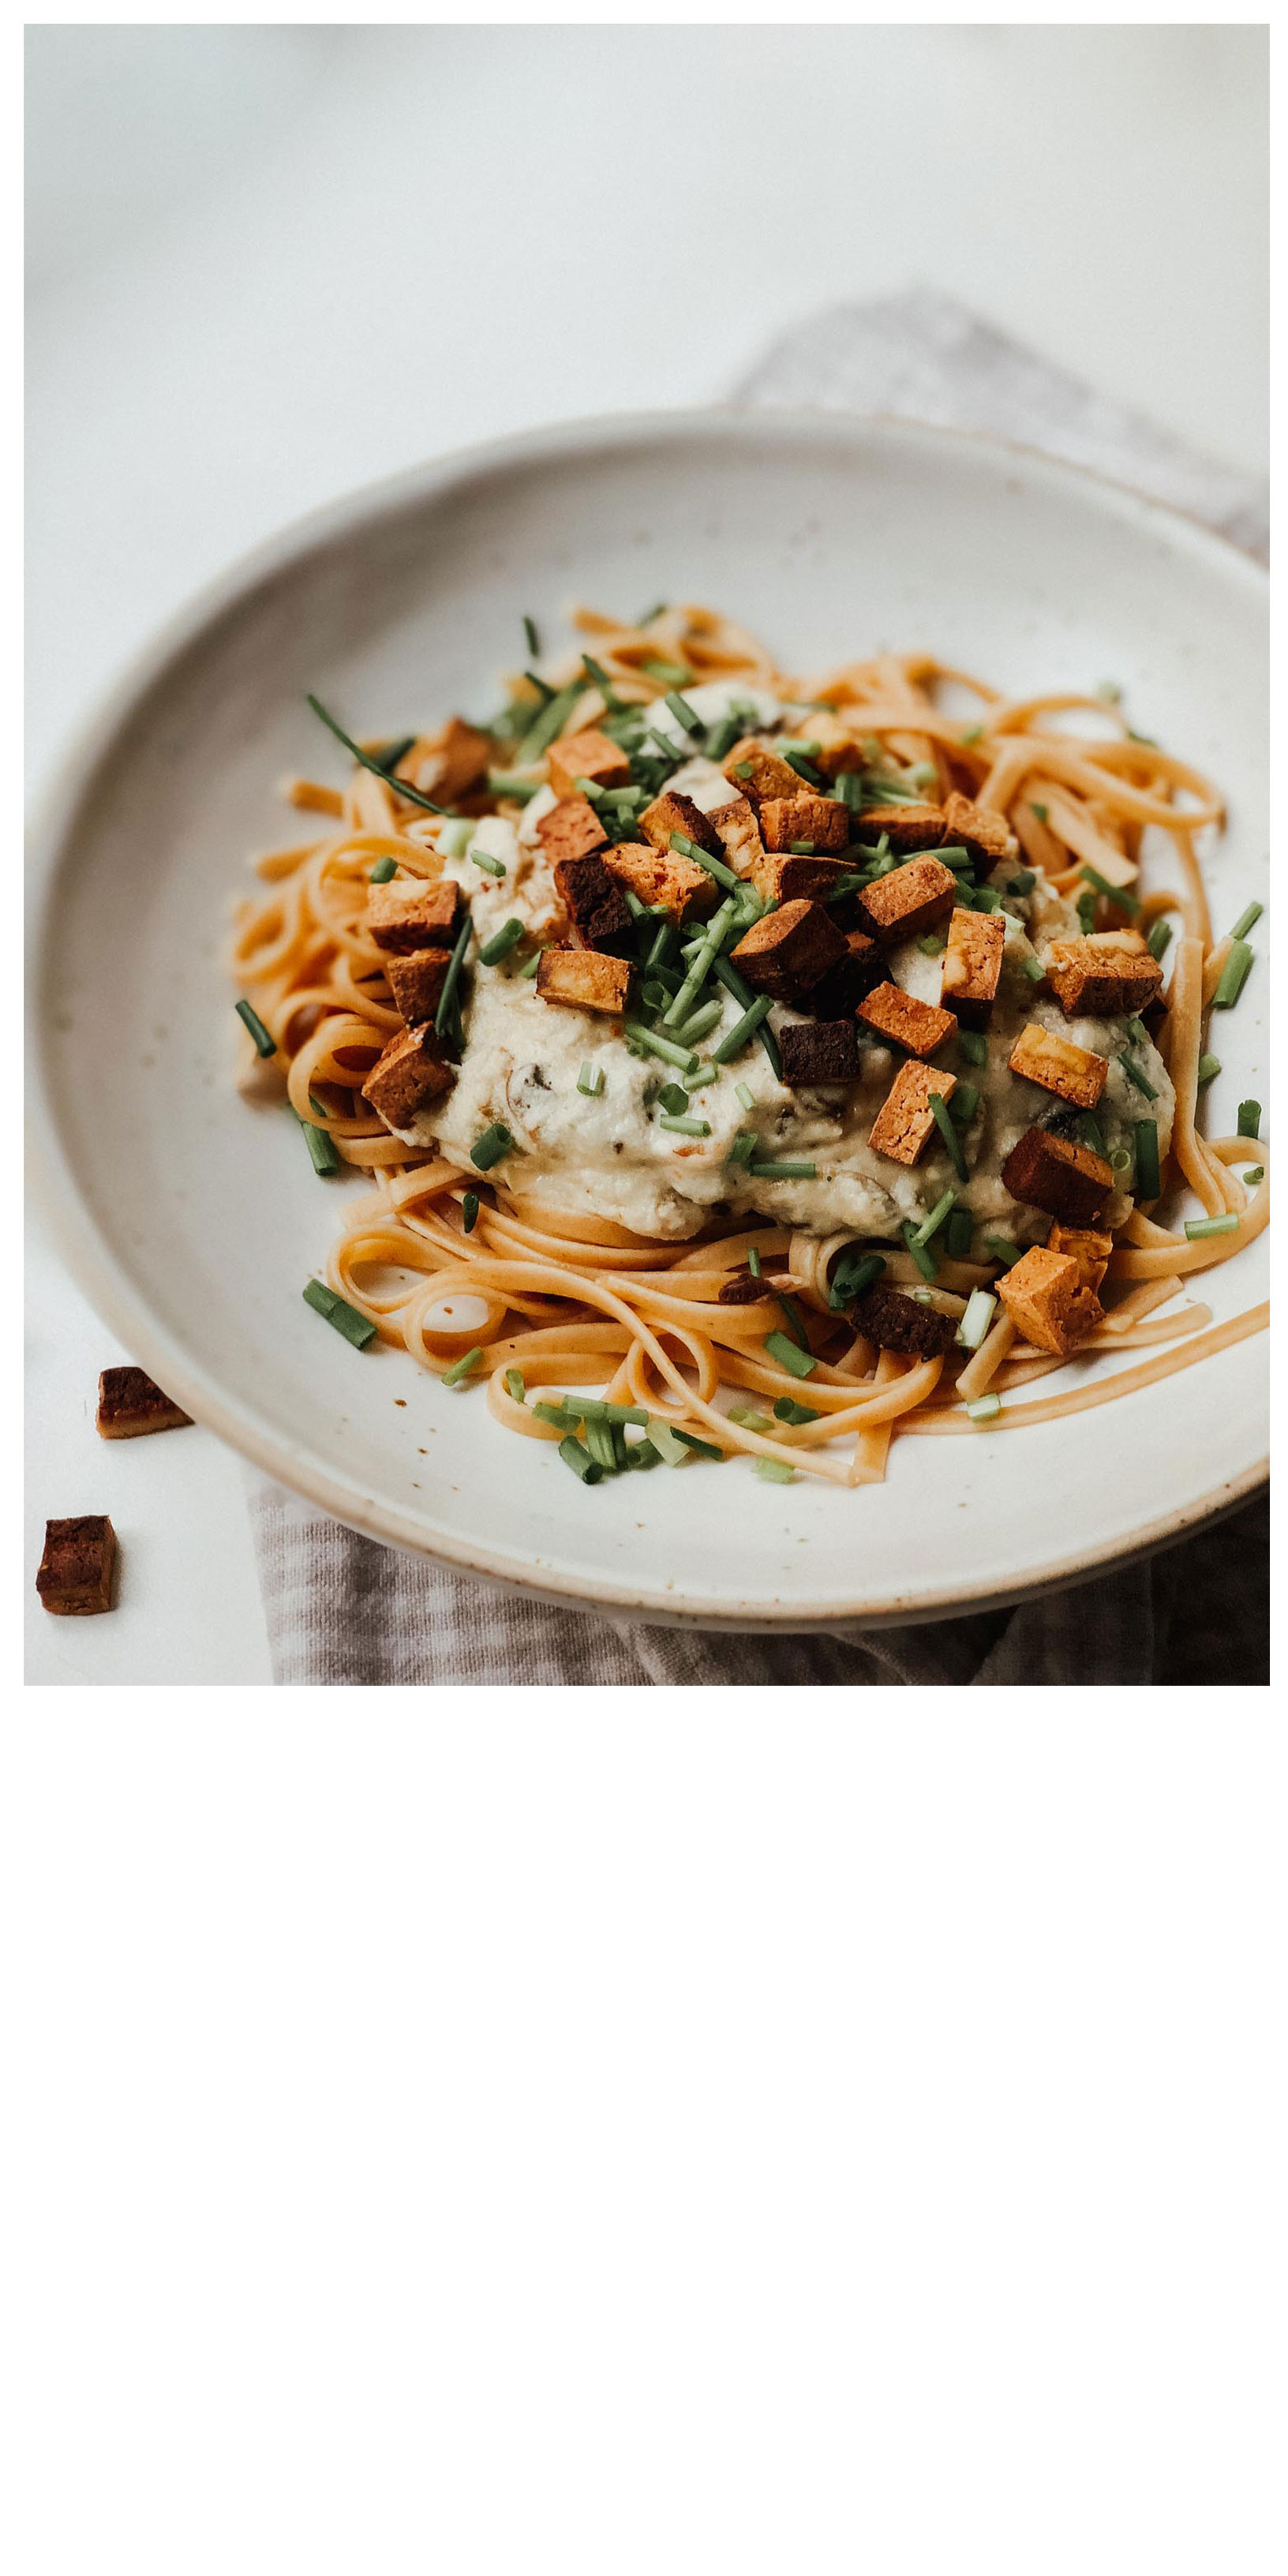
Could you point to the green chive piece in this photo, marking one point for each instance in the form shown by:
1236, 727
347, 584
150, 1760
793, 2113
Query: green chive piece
265, 1042
931, 946
1109, 692
383, 870
590, 1080
1148, 1177
742, 1148
683, 712
595, 671
801, 849
775, 1471
674, 675
948, 1134
1234, 975
792, 1314
1034, 969
515, 1385
1120, 1159
672, 1096
972, 1046
507, 783
851, 1277
959, 1234
643, 1454
455, 836
1115, 894
1209, 1067
684, 1126
703, 1448
531, 637
1090, 1131
580, 1461
470, 1211
700, 1022
356, 1328
655, 1044
1022, 884
753, 1262
1136, 1029
1141, 1080
747, 1098
963, 1105
548, 723
702, 858
526, 973
771, 1171
447, 1017
671, 1449
790, 1355
460, 1369
1042, 812
985, 1408
1249, 1118
1246, 920
1160, 939
501, 942
931, 1224
484, 859
366, 760
998, 1249
747, 1420
921, 1252
973, 734
788, 1410
981, 1306
324, 1156
1251, 1177
736, 1038
1199, 1230
1085, 908
494, 1143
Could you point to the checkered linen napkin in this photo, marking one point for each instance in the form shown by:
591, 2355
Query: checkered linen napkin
343, 1609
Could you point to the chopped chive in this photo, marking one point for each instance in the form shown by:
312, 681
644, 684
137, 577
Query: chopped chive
775, 1471
447, 1017
1160, 939
985, 1408
743, 1147
1141, 1080
981, 1306
1085, 908
1114, 894
684, 1126
322, 1149
672, 1096
383, 870
721, 737
356, 1328
1234, 975
643, 1454
790, 1355
931, 1224
265, 1042
704, 1448
959, 1234
972, 1046
470, 1211
921, 1252
792, 1316
1120, 1159
548, 723
973, 734
525, 973
1148, 1176
1249, 1118
850, 1278
1257, 1173
753, 1261
1091, 1134
788, 1410
542, 687
801, 849
365, 760
390, 753
674, 1447
531, 637
515, 1385
507, 783
998, 1249
495, 1142
948, 1134
700, 1022
655, 1044
1198, 1230
456, 835
963, 1105
736, 1038
601, 1444
932, 945
595, 671
1042, 812
1034, 969
501, 942
1022, 884
460, 1369
590, 1080
1209, 1067
683, 712
702, 858
580, 1461
1136, 1029
1246, 919
1109, 692
748, 1098
675, 675
748, 1420
771, 1171
484, 859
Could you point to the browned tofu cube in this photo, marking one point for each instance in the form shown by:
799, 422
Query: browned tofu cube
669, 813
905, 1122
908, 902
416, 983
789, 950
594, 902
918, 1027
1090, 1251
445, 764
907, 828
1102, 977
1072, 1072
1052, 1173
755, 770
571, 830
820, 820
841, 991
779, 876
130, 1404
665, 877
972, 965
1048, 1299
587, 755
738, 835
581, 980
898, 1322
820, 1051
986, 834
412, 913
412, 1071
76, 1568
838, 746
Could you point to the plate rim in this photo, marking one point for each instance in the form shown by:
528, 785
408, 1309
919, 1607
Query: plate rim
86, 1251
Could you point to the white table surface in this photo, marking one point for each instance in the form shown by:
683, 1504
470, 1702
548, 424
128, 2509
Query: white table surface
248, 294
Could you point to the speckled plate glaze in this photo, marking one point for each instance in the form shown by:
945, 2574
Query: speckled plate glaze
193, 1221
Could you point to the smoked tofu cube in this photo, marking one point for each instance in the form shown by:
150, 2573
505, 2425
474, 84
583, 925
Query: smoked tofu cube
1090, 1251
1049, 1302
897, 1322
571, 830
411, 1072
755, 770
986, 834
581, 980
918, 1027
672, 812
1102, 977
663, 876
909, 901
789, 950
76, 1568
416, 983
446, 764
1072, 1072
842, 989
130, 1403
594, 902
838, 746
1063, 1179
586, 755
972, 965
905, 1122
738, 835
820, 1051
820, 820
780, 876
413, 914
907, 828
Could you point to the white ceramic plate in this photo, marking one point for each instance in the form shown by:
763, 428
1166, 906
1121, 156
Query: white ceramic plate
193, 1221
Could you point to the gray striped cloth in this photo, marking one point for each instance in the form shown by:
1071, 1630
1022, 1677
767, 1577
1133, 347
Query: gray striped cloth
342, 1609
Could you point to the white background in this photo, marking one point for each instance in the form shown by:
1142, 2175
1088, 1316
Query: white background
270, 263
636, 2137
